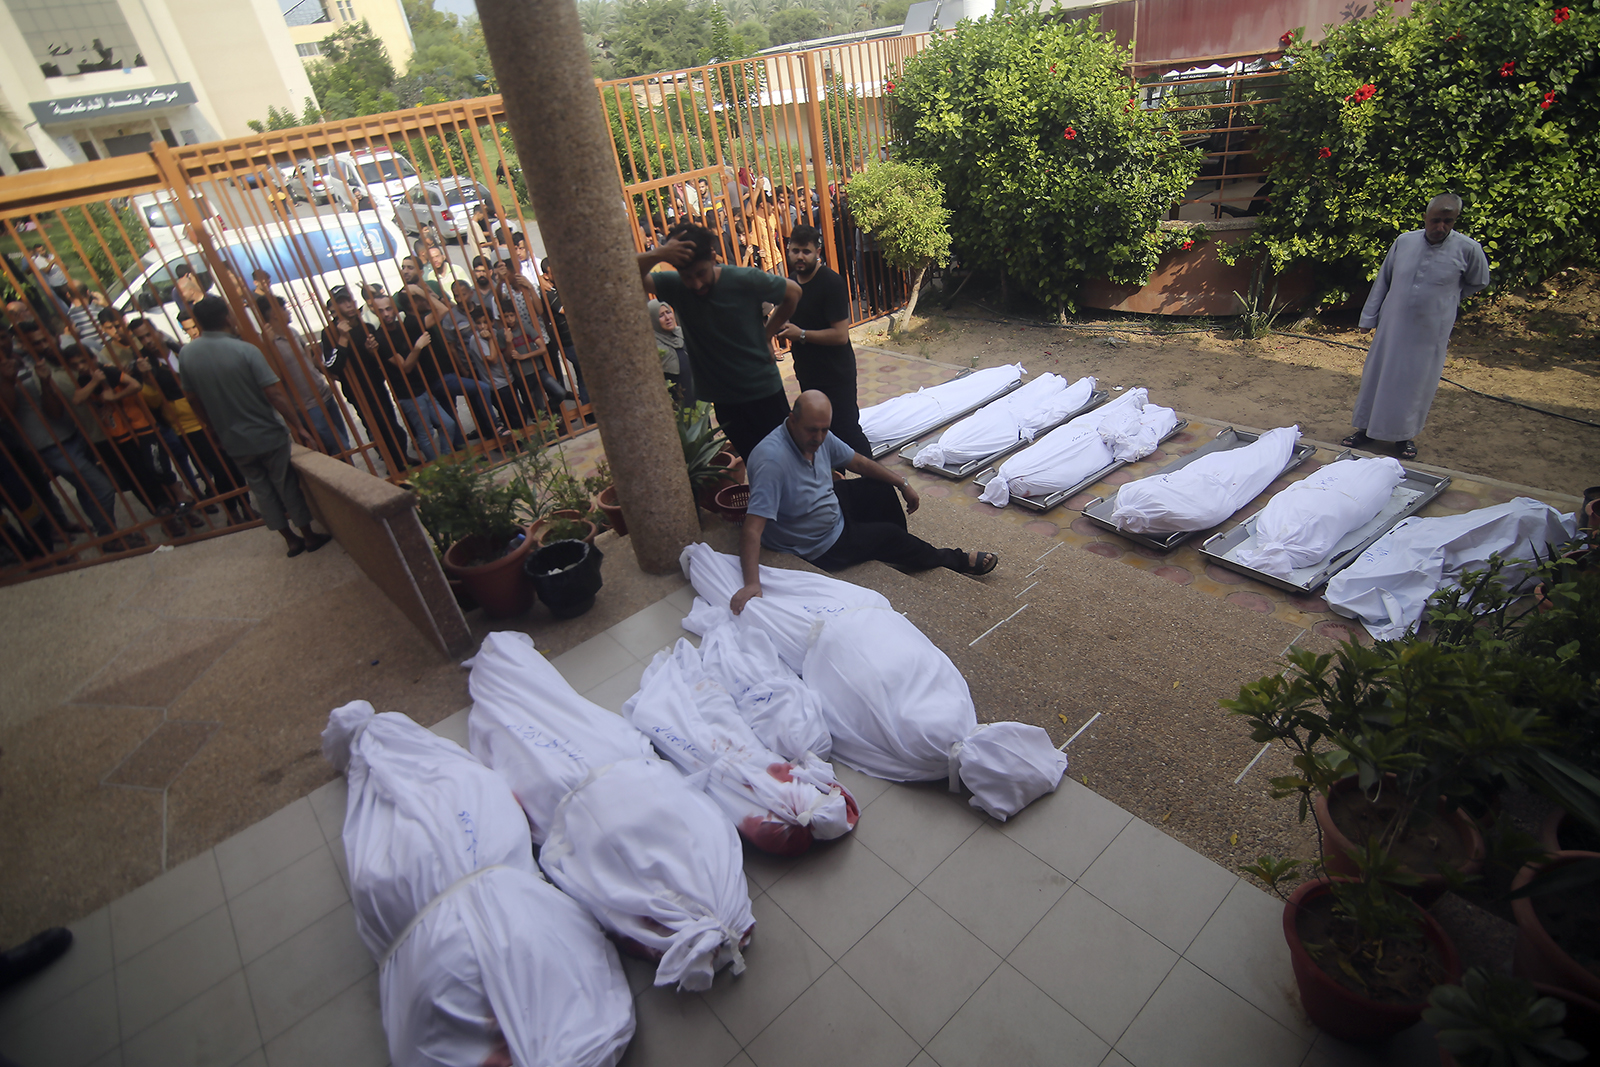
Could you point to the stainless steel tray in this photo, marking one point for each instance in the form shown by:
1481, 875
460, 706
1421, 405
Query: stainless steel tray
1413, 494
1051, 500
879, 451
1099, 510
909, 452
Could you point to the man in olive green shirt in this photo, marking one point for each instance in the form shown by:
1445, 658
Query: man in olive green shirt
729, 345
239, 397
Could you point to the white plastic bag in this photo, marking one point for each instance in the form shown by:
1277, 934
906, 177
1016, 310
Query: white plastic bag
1389, 584
658, 864
784, 712
645, 850
478, 956
1300, 526
1067, 455
535, 730
913, 414
1000, 424
1206, 491
777, 805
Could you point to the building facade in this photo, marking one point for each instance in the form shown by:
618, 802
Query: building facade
88, 79
310, 21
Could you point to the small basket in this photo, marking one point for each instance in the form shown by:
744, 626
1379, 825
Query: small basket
733, 501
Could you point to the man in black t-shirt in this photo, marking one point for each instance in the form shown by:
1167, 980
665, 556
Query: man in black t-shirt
403, 346
819, 335
350, 350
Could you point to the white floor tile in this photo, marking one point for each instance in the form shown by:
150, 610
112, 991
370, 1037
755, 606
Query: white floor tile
75, 1031
347, 1031
995, 888
328, 804
110, 1059
763, 868
1115, 1059
175, 970
1165, 886
1194, 1019
1242, 947
913, 828
250, 856
1409, 1047
170, 902
839, 893
1010, 1021
453, 727
1069, 828
676, 1030
215, 1029
89, 957
863, 787
655, 627
270, 912
833, 1022
1093, 962
783, 962
592, 662
615, 691
917, 939
298, 977
682, 599
258, 1058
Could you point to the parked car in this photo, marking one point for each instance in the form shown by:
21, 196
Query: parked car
164, 220
375, 176
446, 205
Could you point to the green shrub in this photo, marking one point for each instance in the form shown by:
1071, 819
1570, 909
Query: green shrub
1495, 100
1054, 172
902, 206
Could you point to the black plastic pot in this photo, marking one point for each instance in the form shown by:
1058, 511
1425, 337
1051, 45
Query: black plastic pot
566, 575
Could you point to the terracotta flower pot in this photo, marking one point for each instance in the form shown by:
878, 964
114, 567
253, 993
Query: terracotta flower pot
732, 501
547, 533
1537, 956
1433, 886
499, 587
607, 503
1342, 1012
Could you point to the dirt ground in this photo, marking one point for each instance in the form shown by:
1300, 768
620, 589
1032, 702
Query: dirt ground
1540, 348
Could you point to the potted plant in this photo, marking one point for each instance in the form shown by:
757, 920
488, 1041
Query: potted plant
1557, 907
566, 576
1496, 1020
605, 498
481, 523
572, 515
702, 444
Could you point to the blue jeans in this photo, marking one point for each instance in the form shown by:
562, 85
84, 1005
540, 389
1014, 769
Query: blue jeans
424, 415
480, 399
71, 460
325, 422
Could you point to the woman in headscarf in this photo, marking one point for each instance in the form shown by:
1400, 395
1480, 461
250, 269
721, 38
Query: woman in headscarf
674, 356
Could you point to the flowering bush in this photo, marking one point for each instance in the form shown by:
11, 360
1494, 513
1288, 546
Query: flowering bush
1050, 176
1496, 100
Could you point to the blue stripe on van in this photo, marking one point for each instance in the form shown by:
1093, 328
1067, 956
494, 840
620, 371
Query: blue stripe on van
322, 250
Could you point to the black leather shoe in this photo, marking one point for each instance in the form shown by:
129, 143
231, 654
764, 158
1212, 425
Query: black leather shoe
34, 955
554, 389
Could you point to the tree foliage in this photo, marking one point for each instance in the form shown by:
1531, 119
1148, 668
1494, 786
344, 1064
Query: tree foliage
795, 24
902, 206
1495, 100
1055, 173
354, 76
655, 35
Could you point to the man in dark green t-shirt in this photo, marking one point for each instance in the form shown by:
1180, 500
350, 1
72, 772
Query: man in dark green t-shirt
729, 345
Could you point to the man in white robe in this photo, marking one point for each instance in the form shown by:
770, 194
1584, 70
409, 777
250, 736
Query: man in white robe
1424, 279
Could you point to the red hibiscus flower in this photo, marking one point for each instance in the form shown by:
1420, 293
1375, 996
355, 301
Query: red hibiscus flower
1324, 152
1187, 245
1365, 93
1549, 98
1287, 39
1562, 15
888, 87
1052, 68
1070, 134
1508, 68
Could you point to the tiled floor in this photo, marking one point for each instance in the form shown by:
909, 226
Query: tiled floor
932, 936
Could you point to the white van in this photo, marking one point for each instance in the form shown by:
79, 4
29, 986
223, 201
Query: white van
321, 252
376, 177
164, 220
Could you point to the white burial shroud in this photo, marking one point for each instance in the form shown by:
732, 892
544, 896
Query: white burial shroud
1389, 584
784, 712
626, 834
912, 414
896, 706
478, 955
1126, 429
998, 425
778, 805
1206, 491
1300, 526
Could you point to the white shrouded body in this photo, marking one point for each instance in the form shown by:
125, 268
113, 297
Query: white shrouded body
912, 414
1206, 491
1000, 424
1300, 526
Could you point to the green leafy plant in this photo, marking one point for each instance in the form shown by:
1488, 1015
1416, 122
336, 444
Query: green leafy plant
461, 497
1495, 100
1054, 171
701, 443
1254, 319
1496, 1020
902, 206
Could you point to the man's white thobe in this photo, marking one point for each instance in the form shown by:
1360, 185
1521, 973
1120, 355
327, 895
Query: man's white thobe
1413, 304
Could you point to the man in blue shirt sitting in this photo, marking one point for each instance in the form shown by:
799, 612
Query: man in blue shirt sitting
797, 506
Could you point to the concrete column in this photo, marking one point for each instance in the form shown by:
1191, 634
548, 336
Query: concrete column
565, 150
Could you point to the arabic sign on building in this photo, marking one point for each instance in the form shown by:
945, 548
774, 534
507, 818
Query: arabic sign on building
115, 104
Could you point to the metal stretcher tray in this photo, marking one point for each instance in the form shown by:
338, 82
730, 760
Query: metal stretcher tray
881, 450
909, 452
1050, 500
1099, 511
1413, 494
